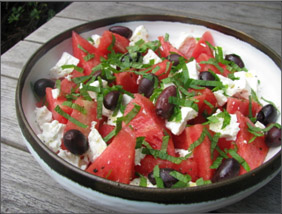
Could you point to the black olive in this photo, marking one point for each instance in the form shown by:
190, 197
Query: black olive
174, 58
168, 180
236, 59
164, 109
146, 85
229, 168
75, 142
267, 115
41, 85
121, 30
207, 76
273, 137
111, 100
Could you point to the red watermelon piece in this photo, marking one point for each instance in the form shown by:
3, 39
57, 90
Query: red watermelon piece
242, 105
91, 115
147, 124
105, 129
255, 152
116, 163
202, 46
52, 103
77, 41
168, 48
128, 80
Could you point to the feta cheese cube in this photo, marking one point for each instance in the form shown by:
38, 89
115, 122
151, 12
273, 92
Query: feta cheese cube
220, 97
250, 77
140, 32
151, 55
51, 135
126, 99
193, 69
138, 156
96, 143
241, 89
259, 125
66, 59
55, 93
73, 159
42, 115
96, 40
230, 131
183, 152
177, 128
112, 119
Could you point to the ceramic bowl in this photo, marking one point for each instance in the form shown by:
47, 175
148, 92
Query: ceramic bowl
127, 198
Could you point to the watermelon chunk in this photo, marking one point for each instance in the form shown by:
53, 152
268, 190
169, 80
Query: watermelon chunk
91, 115
255, 152
168, 48
79, 53
242, 105
147, 124
52, 103
202, 47
188, 46
164, 69
116, 163
202, 153
105, 129
105, 41
128, 80
189, 167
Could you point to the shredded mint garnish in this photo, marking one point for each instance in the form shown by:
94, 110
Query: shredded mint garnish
241, 160
156, 174
79, 69
132, 113
68, 117
201, 181
75, 106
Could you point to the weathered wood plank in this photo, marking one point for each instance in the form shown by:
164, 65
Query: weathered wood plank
10, 130
52, 28
15, 58
26, 188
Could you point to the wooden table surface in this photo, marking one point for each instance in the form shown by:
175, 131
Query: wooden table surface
25, 187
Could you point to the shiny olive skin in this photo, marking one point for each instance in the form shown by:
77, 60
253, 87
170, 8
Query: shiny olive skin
121, 30
164, 109
41, 85
229, 168
267, 114
273, 137
168, 180
146, 86
75, 142
174, 58
207, 76
236, 59
111, 100
134, 57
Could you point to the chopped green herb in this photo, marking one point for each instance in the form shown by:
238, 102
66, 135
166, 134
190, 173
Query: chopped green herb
241, 160
79, 69
198, 141
75, 106
156, 174
68, 117
132, 113
217, 162
99, 105
166, 37
165, 143
201, 181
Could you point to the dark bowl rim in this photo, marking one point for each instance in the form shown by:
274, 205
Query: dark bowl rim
168, 196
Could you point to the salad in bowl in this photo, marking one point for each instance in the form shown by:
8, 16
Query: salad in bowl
180, 110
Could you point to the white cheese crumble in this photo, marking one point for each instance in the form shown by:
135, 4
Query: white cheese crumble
193, 69
151, 55
259, 125
136, 182
55, 93
140, 32
112, 119
230, 131
93, 94
73, 159
183, 152
42, 115
96, 40
66, 59
138, 156
52, 134
220, 97
177, 128
96, 143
